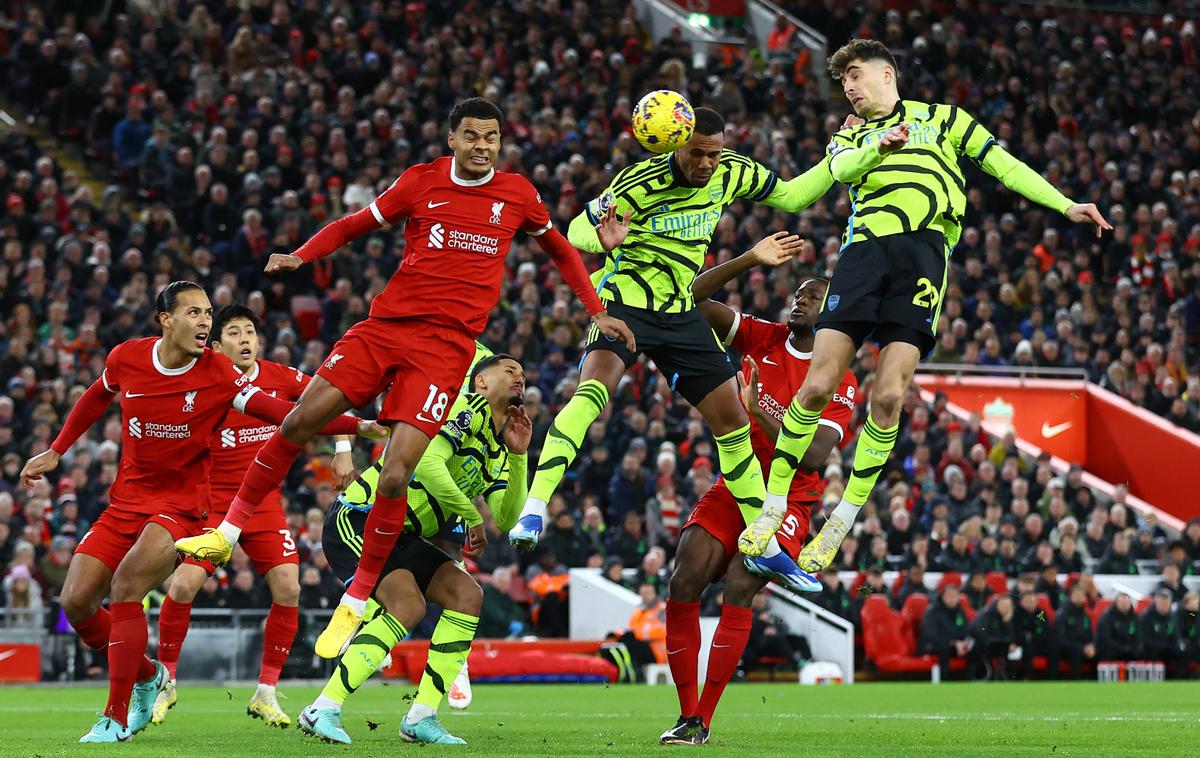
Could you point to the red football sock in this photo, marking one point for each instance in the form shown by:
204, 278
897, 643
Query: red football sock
683, 651
173, 621
728, 644
271, 465
384, 524
126, 653
95, 631
282, 623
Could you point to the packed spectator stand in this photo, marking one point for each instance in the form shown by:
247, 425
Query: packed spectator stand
190, 140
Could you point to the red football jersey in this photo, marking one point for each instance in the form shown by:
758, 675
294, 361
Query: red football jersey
169, 416
781, 371
237, 440
456, 239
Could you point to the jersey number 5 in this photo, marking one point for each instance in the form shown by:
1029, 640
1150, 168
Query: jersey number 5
790, 525
927, 295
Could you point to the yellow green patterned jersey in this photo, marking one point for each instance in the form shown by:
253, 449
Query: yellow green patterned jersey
481, 351
920, 185
466, 460
672, 224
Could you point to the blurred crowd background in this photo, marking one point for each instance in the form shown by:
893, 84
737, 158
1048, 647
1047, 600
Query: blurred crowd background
190, 140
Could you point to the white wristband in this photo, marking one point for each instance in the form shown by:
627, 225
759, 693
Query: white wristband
343, 446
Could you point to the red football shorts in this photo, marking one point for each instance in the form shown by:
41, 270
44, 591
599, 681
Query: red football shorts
113, 534
423, 363
266, 540
717, 513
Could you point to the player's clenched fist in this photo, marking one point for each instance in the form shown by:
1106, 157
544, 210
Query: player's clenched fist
279, 262
518, 431
476, 542
896, 138
38, 465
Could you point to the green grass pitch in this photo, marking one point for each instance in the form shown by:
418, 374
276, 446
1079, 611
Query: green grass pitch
952, 719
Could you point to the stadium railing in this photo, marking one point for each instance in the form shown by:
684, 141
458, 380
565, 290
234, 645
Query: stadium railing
762, 15
662, 18
830, 636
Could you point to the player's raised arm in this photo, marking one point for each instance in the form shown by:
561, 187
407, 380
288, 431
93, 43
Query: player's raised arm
769, 251
974, 141
90, 408
383, 211
254, 402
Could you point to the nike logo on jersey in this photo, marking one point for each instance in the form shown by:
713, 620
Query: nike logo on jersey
676, 652
425, 419
769, 362
288, 553
1050, 432
438, 205
134, 394
7, 654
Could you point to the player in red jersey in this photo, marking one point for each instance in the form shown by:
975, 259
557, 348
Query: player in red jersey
776, 358
461, 215
174, 394
267, 540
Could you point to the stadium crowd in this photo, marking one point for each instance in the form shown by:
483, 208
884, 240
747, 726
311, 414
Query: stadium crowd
229, 131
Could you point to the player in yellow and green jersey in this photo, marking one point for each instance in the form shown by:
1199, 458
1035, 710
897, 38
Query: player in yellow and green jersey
479, 452
907, 195
654, 224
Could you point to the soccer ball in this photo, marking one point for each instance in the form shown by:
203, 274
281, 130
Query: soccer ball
663, 121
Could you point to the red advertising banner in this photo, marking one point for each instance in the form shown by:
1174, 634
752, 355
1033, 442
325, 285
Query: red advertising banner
20, 663
714, 7
1114, 440
1050, 413
1159, 461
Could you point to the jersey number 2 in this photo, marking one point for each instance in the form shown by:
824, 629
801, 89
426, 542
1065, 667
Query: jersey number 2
927, 295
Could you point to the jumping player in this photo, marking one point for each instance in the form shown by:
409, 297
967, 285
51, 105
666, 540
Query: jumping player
655, 223
902, 169
175, 392
479, 452
461, 215
267, 540
777, 357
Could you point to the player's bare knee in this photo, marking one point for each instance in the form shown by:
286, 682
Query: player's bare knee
885, 403
467, 598
285, 589
816, 394
79, 605
186, 585
394, 477
741, 587
686, 584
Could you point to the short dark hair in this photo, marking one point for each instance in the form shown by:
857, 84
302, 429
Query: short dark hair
474, 107
168, 297
709, 122
860, 50
487, 363
229, 313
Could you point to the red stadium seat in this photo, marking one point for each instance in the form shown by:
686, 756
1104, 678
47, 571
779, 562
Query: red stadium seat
913, 611
885, 640
859, 580
1095, 612
949, 577
998, 582
896, 585
1044, 603
967, 609
1142, 605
